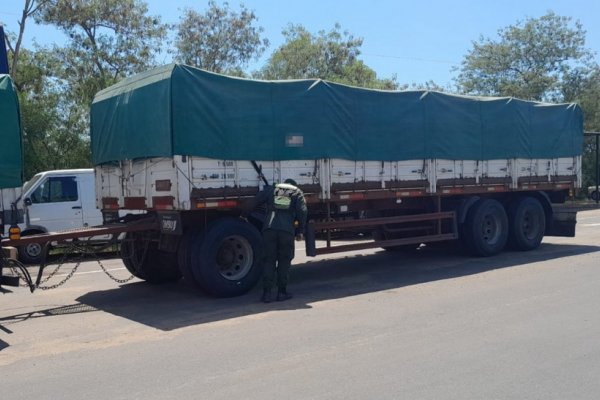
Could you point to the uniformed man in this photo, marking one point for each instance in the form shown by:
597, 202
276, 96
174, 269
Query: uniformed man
285, 218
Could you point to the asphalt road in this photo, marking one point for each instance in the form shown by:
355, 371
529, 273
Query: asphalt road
377, 325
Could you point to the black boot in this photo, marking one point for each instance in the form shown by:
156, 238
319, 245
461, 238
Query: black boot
266, 296
283, 295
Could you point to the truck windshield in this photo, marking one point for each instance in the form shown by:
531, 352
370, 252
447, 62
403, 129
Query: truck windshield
31, 182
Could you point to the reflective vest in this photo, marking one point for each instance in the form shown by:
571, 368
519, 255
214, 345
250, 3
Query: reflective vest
282, 196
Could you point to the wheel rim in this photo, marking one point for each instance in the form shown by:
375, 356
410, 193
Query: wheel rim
491, 229
234, 257
33, 250
530, 225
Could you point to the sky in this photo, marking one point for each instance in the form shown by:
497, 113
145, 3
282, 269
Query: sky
417, 41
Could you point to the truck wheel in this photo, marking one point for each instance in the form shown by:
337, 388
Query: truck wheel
224, 258
31, 253
485, 230
184, 254
594, 195
527, 224
144, 260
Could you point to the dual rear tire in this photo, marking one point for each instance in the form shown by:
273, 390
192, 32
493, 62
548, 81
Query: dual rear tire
223, 259
489, 227
145, 261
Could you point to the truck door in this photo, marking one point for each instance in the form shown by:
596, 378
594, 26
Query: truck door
87, 193
55, 204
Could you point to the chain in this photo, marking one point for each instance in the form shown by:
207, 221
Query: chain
21, 271
112, 276
69, 276
73, 248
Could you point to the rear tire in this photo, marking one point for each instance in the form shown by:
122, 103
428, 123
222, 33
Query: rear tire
224, 259
184, 255
485, 230
32, 253
527, 224
145, 261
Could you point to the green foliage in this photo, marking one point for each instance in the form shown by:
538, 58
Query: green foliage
529, 60
220, 39
108, 40
584, 88
53, 136
542, 59
329, 55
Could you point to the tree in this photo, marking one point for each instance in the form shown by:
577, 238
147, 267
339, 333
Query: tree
29, 8
583, 88
220, 39
329, 55
51, 133
529, 60
108, 40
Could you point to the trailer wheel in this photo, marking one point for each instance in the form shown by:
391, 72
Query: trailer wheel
184, 255
31, 253
224, 258
527, 223
485, 230
144, 260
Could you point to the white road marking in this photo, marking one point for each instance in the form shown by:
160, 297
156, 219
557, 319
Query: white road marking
93, 272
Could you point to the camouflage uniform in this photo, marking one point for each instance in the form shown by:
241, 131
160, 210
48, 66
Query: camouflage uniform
285, 205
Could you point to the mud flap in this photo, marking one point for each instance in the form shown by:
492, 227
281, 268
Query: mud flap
563, 223
309, 240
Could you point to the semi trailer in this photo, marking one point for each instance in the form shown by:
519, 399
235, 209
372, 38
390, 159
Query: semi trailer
183, 149
190, 146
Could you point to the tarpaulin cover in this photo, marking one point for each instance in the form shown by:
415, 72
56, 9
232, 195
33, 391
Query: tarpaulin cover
11, 162
181, 110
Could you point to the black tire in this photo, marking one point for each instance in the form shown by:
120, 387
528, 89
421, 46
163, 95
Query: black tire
32, 253
594, 196
485, 230
527, 223
145, 261
225, 257
184, 255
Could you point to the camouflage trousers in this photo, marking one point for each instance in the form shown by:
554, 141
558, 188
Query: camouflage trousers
278, 252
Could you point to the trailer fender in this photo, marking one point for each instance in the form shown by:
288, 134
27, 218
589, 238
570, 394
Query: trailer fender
33, 230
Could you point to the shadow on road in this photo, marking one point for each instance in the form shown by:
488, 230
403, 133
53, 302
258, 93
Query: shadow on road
173, 306
77, 308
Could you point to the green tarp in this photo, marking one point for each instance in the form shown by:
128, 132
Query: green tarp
11, 163
182, 110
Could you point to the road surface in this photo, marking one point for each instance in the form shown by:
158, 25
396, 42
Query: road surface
368, 325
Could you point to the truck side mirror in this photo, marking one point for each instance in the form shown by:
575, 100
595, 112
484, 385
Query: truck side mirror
27, 201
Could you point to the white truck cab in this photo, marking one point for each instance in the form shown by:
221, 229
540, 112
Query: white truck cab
54, 201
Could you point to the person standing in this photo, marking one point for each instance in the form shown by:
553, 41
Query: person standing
285, 207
